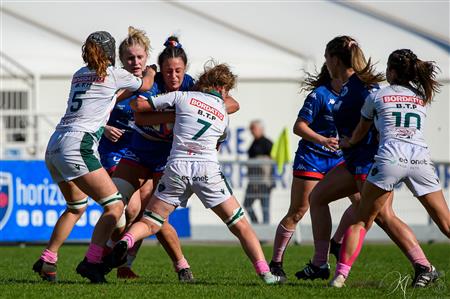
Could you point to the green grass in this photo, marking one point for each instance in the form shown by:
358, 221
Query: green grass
222, 271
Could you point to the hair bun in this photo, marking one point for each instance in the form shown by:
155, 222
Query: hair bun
172, 42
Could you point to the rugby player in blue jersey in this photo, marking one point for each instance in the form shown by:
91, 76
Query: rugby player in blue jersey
345, 61
316, 155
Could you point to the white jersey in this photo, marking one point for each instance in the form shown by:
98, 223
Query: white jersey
92, 98
399, 114
201, 119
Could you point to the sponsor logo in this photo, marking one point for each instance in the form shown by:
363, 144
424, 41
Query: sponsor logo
374, 171
161, 187
414, 161
331, 101
77, 166
403, 99
344, 91
6, 198
90, 78
203, 178
207, 108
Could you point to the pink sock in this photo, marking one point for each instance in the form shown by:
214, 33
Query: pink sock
49, 256
261, 267
360, 235
416, 256
94, 254
321, 249
282, 238
181, 264
129, 239
342, 269
347, 219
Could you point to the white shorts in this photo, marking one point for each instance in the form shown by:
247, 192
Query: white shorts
70, 155
398, 162
183, 178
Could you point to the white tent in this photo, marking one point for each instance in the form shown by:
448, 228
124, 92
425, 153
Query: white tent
268, 44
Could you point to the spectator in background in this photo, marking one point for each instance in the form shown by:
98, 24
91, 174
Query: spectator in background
260, 181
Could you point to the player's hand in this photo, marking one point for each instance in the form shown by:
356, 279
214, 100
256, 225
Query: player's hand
113, 133
345, 142
150, 70
331, 143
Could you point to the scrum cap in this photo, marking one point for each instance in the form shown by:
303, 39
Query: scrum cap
106, 42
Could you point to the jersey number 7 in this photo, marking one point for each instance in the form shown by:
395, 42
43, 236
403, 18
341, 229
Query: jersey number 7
205, 124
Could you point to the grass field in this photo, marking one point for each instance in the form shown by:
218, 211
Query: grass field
222, 271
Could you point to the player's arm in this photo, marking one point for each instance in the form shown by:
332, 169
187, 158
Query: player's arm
231, 104
154, 117
358, 134
302, 129
141, 104
146, 83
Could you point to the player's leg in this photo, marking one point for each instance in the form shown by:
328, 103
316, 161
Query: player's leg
232, 215
338, 183
76, 206
437, 208
154, 217
373, 200
300, 190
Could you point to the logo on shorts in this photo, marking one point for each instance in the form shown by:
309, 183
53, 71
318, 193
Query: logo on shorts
161, 187
222, 191
77, 166
374, 171
6, 198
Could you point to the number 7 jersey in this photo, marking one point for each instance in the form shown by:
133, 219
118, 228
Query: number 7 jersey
201, 119
398, 112
92, 98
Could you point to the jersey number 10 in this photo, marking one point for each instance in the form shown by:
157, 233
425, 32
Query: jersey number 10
407, 119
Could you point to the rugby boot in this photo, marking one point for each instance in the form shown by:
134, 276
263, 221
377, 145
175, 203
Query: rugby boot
276, 268
94, 272
424, 275
312, 272
45, 270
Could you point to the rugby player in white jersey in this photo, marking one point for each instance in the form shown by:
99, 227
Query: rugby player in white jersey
399, 113
193, 167
72, 157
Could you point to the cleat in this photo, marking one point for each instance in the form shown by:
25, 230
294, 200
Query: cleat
424, 276
269, 278
335, 248
185, 275
337, 281
126, 273
312, 272
276, 268
91, 271
118, 256
45, 270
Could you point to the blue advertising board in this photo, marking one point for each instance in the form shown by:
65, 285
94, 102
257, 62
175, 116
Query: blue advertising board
30, 205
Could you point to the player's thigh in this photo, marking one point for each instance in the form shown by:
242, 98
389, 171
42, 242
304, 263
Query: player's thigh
437, 207
373, 199
131, 172
71, 192
300, 191
227, 208
97, 184
338, 183
160, 207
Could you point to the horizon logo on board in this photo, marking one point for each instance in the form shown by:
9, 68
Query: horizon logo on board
6, 198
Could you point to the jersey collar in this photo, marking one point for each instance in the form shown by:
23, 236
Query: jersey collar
214, 93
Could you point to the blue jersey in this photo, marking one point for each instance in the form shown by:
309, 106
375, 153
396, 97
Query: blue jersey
346, 114
159, 132
121, 117
317, 112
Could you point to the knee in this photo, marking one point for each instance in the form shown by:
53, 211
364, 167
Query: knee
132, 211
297, 215
77, 208
153, 221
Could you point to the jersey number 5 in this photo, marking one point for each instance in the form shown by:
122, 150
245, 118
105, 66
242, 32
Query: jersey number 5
205, 124
76, 102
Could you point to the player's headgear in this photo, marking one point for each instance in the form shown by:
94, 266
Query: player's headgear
106, 42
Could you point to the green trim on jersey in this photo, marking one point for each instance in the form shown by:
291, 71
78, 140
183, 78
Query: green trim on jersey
226, 183
87, 153
214, 93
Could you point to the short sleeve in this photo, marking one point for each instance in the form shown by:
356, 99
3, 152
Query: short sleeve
311, 107
165, 100
368, 109
126, 80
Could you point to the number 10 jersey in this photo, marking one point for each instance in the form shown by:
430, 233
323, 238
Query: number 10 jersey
399, 113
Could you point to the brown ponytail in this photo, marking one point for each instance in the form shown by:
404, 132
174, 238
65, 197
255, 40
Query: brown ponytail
313, 81
411, 71
95, 58
351, 55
